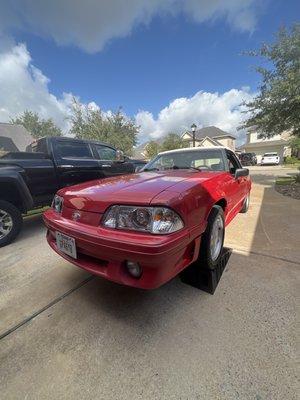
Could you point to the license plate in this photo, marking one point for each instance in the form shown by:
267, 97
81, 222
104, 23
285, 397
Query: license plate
66, 244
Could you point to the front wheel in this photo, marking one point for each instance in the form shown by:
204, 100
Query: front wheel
10, 222
213, 238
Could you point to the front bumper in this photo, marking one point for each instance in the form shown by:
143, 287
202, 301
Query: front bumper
270, 162
103, 252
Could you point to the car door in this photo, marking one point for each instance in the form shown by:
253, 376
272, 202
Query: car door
40, 172
75, 162
107, 159
41, 179
236, 188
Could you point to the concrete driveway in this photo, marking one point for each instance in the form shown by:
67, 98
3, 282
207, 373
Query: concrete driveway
66, 335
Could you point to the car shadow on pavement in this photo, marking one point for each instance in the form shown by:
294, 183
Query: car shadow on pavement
143, 312
32, 226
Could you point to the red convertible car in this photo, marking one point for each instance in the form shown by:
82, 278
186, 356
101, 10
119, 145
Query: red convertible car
143, 229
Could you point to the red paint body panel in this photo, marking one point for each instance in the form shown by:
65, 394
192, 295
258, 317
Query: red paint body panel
103, 251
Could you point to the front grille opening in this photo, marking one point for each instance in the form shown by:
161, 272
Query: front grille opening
97, 262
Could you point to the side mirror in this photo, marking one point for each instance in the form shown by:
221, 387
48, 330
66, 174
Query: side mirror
120, 156
241, 172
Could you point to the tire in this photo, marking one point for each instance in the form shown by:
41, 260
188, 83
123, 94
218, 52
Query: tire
10, 222
246, 203
209, 254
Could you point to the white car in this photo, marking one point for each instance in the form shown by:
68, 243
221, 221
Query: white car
270, 158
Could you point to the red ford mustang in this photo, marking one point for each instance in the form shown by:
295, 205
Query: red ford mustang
141, 230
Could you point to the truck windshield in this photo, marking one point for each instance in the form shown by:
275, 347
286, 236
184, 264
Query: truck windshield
200, 159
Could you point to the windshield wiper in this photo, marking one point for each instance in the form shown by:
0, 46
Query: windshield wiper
150, 169
173, 167
186, 167
195, 168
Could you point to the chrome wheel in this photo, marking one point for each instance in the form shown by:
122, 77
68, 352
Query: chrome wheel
216, 238
6, 223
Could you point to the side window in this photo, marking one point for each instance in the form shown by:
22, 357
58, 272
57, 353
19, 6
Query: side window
70, 149
41, 146
233, 163
105, 153
38, 146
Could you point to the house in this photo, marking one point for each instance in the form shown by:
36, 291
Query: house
210, 136
139, 152
277, 144
14, 137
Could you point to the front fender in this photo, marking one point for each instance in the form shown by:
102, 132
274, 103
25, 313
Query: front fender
12, 176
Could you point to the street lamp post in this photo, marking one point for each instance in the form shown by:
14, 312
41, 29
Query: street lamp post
194, 127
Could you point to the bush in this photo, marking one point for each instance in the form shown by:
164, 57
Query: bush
292, 160
297, 178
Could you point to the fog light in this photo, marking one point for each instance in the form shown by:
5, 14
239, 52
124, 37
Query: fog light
134, 269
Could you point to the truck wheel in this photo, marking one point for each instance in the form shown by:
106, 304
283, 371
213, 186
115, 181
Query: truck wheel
213, 239
245, 205
10, 222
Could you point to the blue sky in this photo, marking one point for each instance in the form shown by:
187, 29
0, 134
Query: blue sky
151, 65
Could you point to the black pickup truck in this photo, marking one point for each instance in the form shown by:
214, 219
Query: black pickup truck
30, 179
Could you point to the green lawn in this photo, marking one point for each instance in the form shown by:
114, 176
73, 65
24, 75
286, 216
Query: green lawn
285, 180
294, 165
35, 211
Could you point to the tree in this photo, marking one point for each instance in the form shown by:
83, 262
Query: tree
113, 128
152, 149
295, 145
172, 141
122, 131
36, 126
277, 106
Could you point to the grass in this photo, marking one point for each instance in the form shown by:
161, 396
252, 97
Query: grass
35, 211
292, 162
285, 180
294, 165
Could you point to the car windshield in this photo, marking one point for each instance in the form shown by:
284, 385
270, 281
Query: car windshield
188, 159
247, 155
270, 154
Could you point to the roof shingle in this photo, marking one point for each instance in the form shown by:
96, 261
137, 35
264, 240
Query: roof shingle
17, 133
211, 132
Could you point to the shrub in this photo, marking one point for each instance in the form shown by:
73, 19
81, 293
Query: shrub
297, 178
291, 160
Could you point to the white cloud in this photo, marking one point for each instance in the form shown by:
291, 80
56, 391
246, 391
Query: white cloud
204, 108
23, 86
91, 24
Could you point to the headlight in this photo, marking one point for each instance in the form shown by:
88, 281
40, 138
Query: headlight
57, 203
158, 220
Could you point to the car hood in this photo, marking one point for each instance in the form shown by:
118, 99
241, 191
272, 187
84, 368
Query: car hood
138, 189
